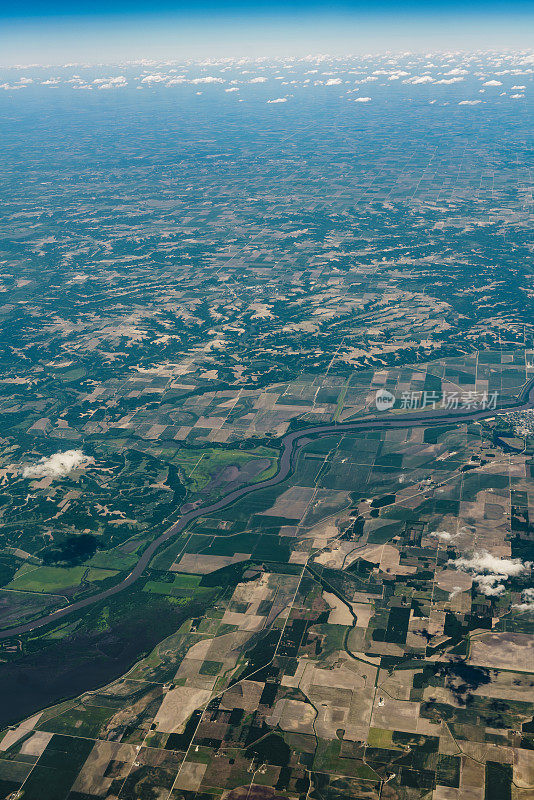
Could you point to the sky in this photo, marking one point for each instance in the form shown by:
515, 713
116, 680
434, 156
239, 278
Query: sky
109, 31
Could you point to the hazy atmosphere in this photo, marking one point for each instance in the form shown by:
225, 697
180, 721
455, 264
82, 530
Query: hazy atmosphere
266, 401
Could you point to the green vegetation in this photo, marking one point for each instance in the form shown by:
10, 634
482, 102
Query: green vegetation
199, 468
55, 579
186, 280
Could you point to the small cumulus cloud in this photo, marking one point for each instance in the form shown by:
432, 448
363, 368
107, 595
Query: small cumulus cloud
420, 79
57, 466
490, 585
111, 83
177, 80
486, 562
492, 83
469, 102
491, 572
333, 82
527, 601
258, 80
278, 100
444, 536
108, 86
208, 79
360, 99
157, 78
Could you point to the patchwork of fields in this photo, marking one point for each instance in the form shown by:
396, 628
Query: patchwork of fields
187, 280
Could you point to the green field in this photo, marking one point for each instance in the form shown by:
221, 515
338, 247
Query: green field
197, 468
182, 586
113, 560
54, 579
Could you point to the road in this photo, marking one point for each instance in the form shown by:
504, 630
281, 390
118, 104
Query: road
291, 444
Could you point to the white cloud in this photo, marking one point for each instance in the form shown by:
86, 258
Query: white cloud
232, 89
492, 83
450, 80
527, 598
333, 82
278, 100
456, 71
490, 585
516, 96
484, 562
111, 83
208, 79
360, 99
120, 79
490, 572
157, 78
258, 80
469, 102
443, 536
420, 79
176, 80
519, 88
58, 465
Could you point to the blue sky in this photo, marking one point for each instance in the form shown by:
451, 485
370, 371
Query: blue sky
55, 31
51, 8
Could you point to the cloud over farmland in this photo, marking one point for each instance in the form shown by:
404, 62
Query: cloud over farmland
57, 466
490, 572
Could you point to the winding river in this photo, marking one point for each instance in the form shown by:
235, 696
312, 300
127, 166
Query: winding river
291, 444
